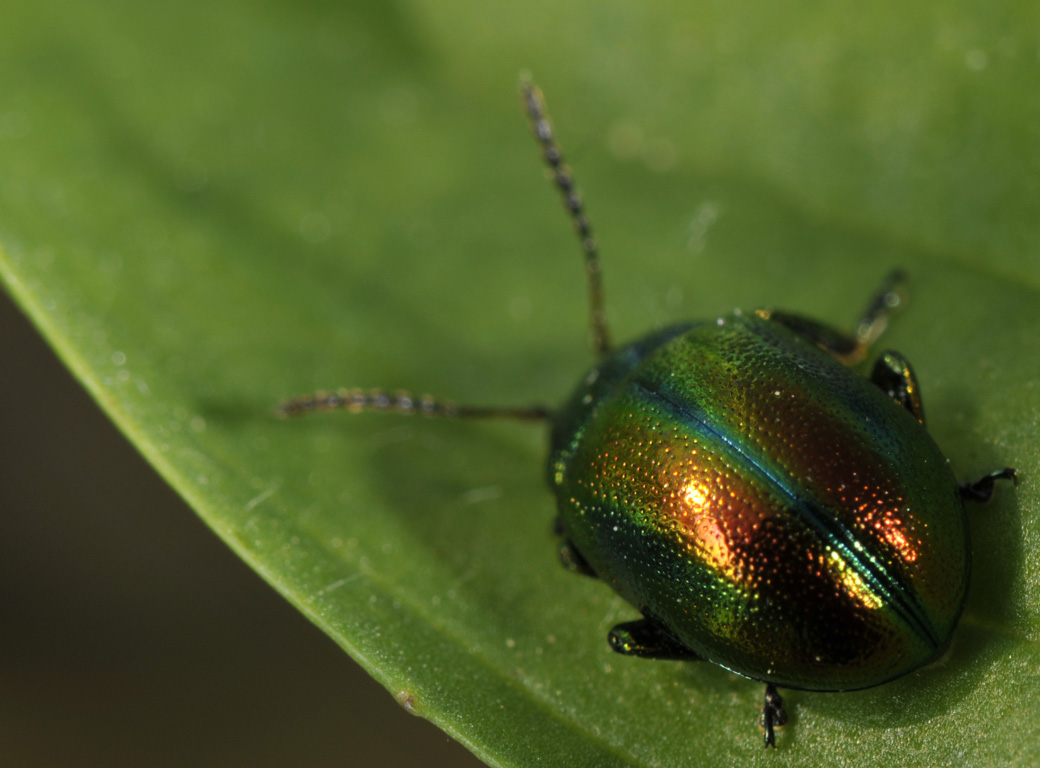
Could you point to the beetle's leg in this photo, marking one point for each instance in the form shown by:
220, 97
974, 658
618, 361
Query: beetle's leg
645, 638
849, 348
773, 714
982, 490
896, 378
838, 343
534, 105
358, 400
570, 557
573, 560
872, 324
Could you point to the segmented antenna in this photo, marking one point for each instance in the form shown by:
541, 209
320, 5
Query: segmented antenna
358, 400
534, 104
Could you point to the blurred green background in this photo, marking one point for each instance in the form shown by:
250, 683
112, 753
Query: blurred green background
208, 207
131, 635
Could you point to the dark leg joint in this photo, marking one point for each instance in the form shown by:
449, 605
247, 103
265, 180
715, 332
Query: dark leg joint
894, 376
982, 490
773, 714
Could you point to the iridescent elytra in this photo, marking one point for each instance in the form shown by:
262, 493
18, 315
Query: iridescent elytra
759, 503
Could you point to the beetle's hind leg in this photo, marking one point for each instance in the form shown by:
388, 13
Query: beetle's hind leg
646, 639
982, 489
773, 714
849, 348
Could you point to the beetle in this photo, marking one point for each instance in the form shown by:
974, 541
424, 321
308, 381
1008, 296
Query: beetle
763, 506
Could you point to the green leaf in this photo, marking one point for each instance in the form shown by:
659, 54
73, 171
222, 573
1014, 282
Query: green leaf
207, 208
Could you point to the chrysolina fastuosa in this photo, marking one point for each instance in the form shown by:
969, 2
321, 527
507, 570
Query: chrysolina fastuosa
763, 506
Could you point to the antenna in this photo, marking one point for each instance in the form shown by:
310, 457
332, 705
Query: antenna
534, 105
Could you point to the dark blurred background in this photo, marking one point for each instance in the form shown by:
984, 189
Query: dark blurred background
131, 636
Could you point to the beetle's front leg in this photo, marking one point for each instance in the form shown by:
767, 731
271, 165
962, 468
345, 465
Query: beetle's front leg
848, 348
842, 346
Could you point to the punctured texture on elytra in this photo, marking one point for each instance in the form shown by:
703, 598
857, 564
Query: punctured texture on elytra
779, 516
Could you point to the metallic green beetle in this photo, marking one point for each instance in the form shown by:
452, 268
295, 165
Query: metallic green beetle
763, 507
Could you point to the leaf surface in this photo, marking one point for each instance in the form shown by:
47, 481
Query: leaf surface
209, 208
